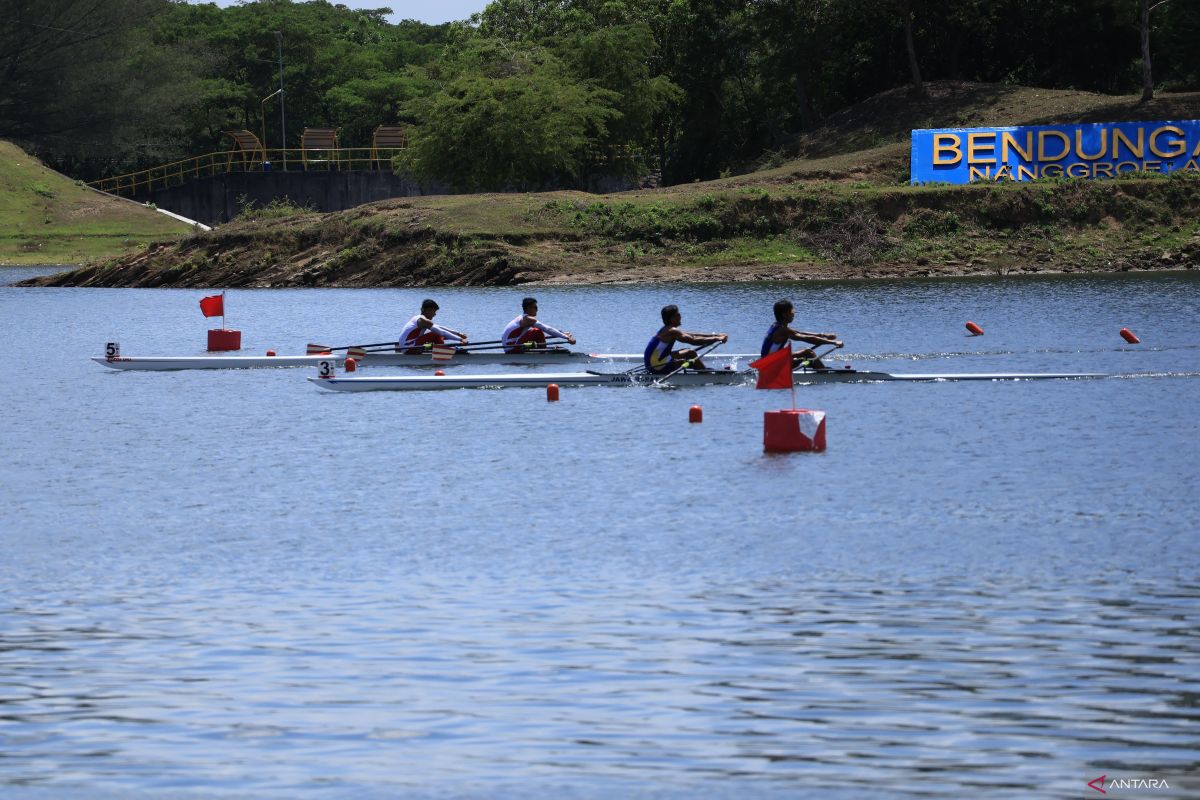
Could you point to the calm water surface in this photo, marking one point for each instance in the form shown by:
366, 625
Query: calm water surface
230, 584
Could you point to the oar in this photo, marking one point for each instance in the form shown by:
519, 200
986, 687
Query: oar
699, 354
320, 348
501, 345
817, 356
428, 348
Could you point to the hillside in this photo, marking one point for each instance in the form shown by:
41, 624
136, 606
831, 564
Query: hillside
842, 209
46, 218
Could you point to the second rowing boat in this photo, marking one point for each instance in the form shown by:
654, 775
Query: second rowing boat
372, 359
687, 378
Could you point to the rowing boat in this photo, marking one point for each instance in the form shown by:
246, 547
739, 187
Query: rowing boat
727, 377
549, 356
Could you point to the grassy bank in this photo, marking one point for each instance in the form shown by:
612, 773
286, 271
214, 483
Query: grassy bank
46, 218
835, 204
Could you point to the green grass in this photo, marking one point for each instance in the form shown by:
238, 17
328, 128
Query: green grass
46, 218
838, 203
776, 250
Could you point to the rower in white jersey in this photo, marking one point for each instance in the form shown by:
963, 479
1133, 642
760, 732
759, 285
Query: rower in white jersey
526, 333
422, 332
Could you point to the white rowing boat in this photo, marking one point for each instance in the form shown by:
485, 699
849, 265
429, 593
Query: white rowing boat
550, 356
160, 363
691, 378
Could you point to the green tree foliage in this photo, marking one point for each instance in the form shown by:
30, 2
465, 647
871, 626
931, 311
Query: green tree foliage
81, 81
610, 45
506, 117
694, 88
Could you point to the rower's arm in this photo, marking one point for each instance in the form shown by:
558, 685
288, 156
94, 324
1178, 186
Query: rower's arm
700, 339
447, 332
552, 331
816, 338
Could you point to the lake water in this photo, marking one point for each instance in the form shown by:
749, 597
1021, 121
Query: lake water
232, 584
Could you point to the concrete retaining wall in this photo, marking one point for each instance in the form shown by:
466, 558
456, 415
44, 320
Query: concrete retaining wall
219, 198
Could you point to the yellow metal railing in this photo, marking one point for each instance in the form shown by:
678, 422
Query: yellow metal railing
227, 161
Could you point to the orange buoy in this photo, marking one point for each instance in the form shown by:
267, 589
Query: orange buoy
974, 329
794, 430
1130, 336
552, 393
270, 352
441, 372
695, 414
351, 365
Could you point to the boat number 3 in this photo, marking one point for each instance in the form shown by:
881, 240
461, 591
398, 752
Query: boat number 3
325, 369
112, 350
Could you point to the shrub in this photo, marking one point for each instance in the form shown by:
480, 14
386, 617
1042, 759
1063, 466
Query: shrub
928, 222
278, 207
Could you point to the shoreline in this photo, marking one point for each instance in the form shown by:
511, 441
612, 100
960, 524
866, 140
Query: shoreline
662, 270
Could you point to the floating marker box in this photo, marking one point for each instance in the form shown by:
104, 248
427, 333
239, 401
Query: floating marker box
795, 430
222, 339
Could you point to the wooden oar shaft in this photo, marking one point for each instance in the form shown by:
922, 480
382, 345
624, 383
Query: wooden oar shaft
818, 356
699, 354
427, 349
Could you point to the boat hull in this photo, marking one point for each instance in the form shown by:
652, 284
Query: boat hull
401, 383
711, 378
707, 378
166, 363
170, 363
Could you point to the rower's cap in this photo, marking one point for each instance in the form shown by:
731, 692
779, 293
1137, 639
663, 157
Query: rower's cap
428, 303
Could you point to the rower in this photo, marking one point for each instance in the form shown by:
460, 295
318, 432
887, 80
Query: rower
422, 332
660, 359
526, 333
780, 333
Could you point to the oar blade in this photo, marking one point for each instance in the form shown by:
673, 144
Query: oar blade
443, 352
317, 349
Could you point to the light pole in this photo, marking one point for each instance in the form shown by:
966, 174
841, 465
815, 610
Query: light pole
282, 112
263, 117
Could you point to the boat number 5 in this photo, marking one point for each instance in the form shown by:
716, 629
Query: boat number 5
112, 350
325, 369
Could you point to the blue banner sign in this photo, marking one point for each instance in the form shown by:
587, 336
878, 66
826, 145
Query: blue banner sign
1095, 150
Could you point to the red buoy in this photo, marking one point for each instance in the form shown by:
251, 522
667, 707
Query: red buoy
1130, 336
974, 329
351, 365
270, 352
552, 393
441, 372
794, 430
223, 339
695, 414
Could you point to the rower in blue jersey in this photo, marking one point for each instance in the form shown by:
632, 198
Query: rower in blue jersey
780, 333
661, 359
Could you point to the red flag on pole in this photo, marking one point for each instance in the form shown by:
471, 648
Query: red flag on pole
213, 306
775, 370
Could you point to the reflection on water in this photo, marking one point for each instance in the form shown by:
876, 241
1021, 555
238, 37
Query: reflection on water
232, 584
929, 690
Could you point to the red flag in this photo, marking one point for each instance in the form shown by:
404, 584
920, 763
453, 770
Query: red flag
775, 370
213, 306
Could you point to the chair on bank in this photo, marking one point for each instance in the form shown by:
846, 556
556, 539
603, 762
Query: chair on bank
319, 148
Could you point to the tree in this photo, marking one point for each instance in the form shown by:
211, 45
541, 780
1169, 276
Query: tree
75, 74
506, 117
1147, 73
916, 85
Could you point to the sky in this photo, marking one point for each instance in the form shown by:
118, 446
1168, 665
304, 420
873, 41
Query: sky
433, 12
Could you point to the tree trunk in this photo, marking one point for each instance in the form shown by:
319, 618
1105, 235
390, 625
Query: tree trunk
917, 87
1147, 73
